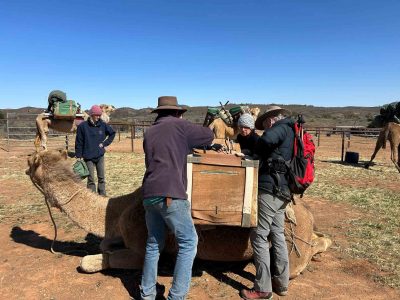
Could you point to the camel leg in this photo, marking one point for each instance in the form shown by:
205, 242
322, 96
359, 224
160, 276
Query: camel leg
321, 243
377, 148
398, 158
393, 156
42, 129
118, 259
37, 141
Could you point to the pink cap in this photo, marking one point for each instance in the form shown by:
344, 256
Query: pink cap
95, 110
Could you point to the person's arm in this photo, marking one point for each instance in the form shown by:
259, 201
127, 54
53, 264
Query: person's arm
110, 134
198, 136
79, 140
269, 140
148, 154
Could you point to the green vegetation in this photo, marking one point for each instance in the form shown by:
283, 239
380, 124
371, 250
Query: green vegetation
376, 234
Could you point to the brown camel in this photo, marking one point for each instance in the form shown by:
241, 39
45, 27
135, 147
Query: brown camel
121, 222
390, 132
222, 130
44, 122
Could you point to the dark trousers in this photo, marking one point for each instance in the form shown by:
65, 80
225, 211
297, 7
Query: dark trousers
101, 183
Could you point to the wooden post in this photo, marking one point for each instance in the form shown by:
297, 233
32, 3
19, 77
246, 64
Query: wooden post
348, 140
119, 133
319, 136
132, 135
8, 134
342, 146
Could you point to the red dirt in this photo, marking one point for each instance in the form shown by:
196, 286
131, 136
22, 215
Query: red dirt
29, 271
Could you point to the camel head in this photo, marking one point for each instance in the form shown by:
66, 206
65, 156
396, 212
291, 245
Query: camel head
254, 112
107, 110
52, 165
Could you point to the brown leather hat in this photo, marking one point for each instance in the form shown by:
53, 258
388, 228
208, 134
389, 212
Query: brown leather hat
271, 111
168, 102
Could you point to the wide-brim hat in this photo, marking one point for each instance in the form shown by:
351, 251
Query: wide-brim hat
168, 103
271, 111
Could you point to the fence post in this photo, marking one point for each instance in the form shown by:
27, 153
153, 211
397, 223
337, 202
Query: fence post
119, 134
132, 135
342, 146
8, 135
348, 141
319, 135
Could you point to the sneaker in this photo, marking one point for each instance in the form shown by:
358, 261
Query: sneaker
280, 290
253, 294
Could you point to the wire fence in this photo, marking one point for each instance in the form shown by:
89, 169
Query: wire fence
19, 131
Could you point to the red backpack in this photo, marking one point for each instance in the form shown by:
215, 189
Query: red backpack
301, 167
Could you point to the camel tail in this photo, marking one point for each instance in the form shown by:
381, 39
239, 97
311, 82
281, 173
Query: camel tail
40, 132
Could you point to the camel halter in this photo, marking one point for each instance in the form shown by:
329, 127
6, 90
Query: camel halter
291, 236
52, 219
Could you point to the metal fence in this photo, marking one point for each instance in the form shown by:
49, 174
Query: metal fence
339, 140
19, 130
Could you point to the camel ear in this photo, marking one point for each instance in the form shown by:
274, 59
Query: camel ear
37, 159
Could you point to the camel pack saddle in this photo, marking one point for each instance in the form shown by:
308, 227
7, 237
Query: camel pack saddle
222, 189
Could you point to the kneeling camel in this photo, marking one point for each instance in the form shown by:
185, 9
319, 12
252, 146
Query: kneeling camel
120, 221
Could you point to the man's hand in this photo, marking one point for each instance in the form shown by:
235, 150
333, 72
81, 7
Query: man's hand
216, 147
239, 154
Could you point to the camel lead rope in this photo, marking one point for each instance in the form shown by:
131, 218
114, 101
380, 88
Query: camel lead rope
51, 217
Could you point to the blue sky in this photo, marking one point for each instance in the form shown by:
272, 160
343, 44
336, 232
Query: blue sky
127, 53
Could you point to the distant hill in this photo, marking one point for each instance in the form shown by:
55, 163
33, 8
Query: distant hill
314, 115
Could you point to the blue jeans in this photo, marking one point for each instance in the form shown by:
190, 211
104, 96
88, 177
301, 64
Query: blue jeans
177, 218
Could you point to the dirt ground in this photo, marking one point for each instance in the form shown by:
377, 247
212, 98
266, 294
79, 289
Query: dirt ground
28, 270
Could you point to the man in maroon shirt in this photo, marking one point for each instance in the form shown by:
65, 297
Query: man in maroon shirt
166, 145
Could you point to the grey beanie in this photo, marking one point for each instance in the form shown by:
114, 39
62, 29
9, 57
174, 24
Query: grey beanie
246, 120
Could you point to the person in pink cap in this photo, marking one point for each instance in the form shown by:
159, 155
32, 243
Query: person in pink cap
92, 138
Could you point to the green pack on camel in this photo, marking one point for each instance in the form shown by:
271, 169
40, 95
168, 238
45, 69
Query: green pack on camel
60, 107
226, 115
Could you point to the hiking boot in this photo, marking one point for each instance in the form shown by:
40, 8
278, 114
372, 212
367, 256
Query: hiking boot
280, 290
253, 294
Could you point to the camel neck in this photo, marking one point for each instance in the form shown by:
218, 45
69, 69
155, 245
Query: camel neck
81, 205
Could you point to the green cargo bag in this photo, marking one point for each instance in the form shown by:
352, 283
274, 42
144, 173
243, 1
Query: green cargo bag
80, 168
235, 110
213, 111
65, 110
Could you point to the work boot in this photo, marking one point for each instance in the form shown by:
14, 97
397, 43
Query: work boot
279, 289
253, 294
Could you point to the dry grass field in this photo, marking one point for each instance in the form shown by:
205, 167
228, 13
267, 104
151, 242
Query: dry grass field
358, 208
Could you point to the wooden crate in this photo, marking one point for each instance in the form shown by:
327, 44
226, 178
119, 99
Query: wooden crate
222, 189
